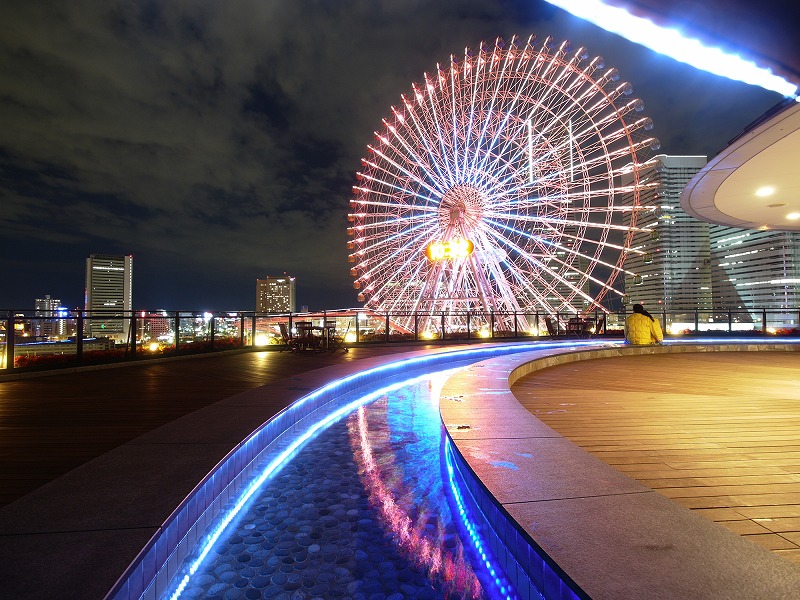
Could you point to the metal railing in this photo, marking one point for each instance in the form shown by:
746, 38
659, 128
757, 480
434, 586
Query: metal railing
34, 341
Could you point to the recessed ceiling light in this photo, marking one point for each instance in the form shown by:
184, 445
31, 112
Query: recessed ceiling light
793, 216
765, 191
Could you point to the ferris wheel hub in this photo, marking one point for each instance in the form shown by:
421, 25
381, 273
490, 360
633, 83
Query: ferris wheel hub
461, 209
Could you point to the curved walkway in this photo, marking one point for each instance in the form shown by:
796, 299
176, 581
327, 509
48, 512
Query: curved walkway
604, 534
55, 421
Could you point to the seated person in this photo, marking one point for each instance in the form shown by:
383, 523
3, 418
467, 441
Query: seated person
641, 328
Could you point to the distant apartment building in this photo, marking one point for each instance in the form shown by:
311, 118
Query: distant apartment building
155, 325
671, 265
275, 294
49, 319
109, 293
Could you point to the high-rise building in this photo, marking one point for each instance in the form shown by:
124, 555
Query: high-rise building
109, 293
47, 323
672, 263
275, 294
756, 270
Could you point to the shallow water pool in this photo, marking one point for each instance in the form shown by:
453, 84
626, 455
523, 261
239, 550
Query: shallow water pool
361, 511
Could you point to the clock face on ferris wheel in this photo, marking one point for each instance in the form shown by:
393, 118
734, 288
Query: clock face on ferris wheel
495, 186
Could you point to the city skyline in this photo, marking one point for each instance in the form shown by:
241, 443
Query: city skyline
216, 143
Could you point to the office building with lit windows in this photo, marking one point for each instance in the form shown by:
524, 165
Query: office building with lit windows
109, 293
756, 270
671, 266
275, 295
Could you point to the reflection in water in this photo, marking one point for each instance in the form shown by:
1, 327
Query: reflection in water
360, 512
417, 529
397, 442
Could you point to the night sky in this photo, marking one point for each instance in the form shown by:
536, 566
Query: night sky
217, 141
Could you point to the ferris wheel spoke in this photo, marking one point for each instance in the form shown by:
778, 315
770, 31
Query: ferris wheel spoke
392, 186
505, 297
594, 259
406, 292
535, 283
399, 168
553, 257
601, 244
440, 136
508, 110
412, 156
565, 221
423, 136
380, 243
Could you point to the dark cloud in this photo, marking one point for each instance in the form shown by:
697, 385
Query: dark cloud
217, 141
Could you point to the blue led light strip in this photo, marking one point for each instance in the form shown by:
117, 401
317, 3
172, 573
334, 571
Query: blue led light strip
479, 545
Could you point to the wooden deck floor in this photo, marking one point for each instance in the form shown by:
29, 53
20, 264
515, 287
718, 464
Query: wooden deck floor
52, 424
718, 433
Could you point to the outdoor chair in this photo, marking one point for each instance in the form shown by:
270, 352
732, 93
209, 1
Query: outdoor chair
336, 342
306, 339
599, 326
552, 328
289, 343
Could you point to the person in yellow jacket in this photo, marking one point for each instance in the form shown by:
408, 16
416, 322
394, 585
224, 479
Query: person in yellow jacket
641, 328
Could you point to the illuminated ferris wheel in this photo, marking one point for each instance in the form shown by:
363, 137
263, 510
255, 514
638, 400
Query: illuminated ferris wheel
506, 182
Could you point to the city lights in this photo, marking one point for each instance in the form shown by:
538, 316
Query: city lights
262, 339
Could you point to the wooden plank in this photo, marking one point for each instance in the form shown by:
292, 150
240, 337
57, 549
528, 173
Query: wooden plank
715, 432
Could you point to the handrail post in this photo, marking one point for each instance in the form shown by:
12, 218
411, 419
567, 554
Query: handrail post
212, 331
764, 321
516, 333
358, 331
132, 336
10, 341
491, 321
468, 312
177, 329
730, 321
696, 321
253, 330
79, 338
416, 326
241, 330
443, 335
387, 326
